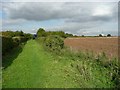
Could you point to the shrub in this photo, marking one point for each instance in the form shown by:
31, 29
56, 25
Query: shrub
19, 39
54, 43
10, 42
109, 35
16, 41
100, 35
114, 66
41, 40
82, 35
41, 32
7, 44
23, 39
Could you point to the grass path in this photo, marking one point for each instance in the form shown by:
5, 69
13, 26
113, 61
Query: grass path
35, 68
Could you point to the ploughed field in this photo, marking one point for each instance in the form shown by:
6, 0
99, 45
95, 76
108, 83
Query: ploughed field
98, 45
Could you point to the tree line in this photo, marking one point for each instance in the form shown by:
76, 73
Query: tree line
42, 33
16, 33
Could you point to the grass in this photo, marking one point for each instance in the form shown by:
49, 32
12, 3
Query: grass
85, 72
36, 68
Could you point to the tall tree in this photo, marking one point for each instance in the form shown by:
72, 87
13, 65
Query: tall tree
41, 32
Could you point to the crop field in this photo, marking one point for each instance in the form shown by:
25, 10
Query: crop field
108, 45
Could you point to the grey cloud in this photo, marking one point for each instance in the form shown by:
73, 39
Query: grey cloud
90, 19
13, 22
39, 11
45, 11
77, 17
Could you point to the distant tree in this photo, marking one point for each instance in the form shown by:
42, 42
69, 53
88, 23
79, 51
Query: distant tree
82, 35
109, 35
69, 35
41, 32
21, 33
62, 34
75, 36
100, 35
28, 36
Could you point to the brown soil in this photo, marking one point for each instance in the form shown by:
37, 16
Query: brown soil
108, 45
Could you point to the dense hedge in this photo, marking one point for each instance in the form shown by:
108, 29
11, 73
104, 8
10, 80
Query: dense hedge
11, 39
7, 44
10, 42
54, 43
19, 39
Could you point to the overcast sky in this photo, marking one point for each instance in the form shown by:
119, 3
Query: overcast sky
81, 18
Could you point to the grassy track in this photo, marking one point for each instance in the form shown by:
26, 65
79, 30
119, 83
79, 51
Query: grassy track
34, 67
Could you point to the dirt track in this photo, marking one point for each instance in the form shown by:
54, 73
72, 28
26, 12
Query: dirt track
95, 44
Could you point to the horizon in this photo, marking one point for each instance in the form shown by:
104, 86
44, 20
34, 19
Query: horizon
65, 33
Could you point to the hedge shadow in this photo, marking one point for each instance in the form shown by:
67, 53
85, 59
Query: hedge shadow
9, 57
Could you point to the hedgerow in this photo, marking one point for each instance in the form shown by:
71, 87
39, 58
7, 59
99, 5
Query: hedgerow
7, 44
10, 42
54, 43
11, 39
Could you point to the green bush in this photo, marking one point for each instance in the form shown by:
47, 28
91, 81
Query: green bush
12, 39
41, 40
41, 32
7, 44
54, 43
114, 66
16, 41
10, 42
19, 39
23, 39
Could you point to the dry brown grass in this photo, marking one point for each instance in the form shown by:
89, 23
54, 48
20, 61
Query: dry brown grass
98, 45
